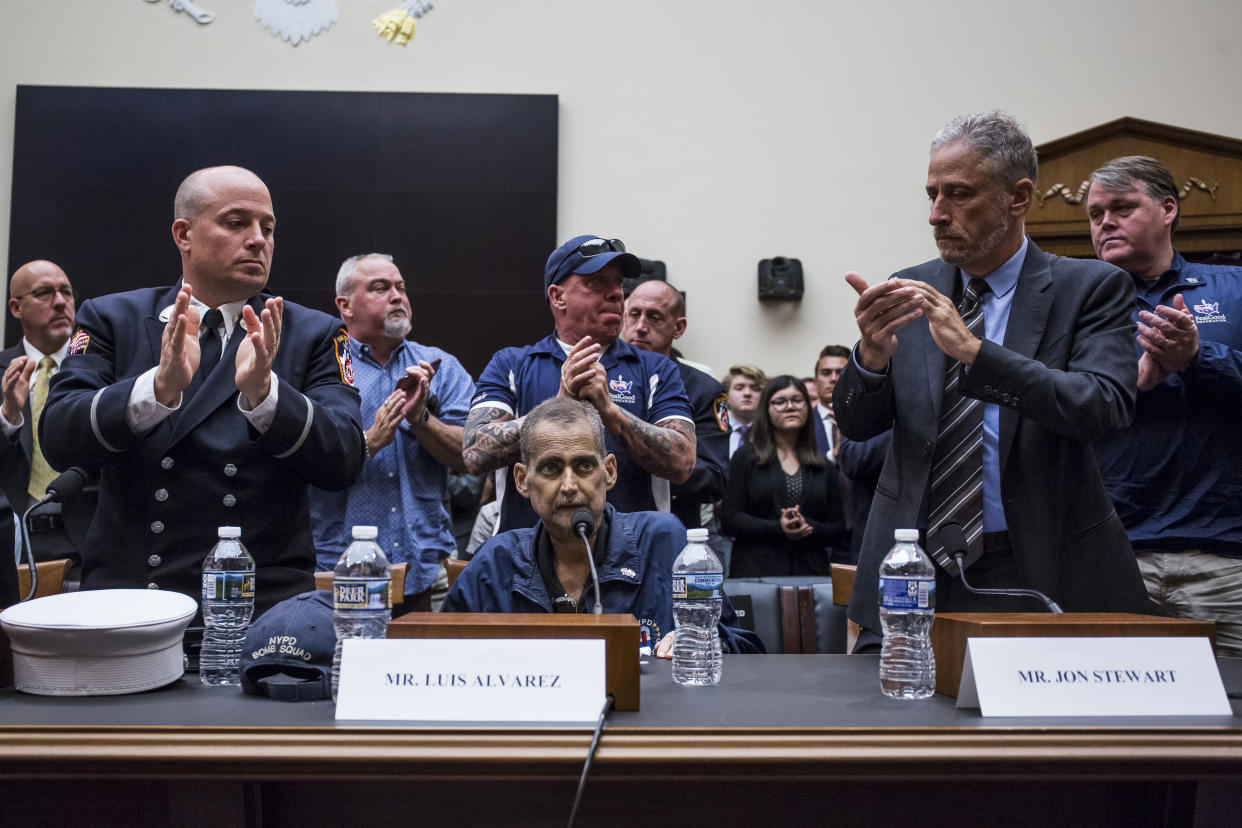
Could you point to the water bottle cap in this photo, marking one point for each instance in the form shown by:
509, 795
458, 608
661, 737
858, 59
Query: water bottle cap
696, 535
228, 532
365, 533
906, 535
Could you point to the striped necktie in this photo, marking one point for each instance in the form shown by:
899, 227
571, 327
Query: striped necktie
41, 473
955, 494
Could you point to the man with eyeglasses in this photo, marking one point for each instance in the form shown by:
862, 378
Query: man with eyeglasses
415, 398
207, 403
41, 300
638, 394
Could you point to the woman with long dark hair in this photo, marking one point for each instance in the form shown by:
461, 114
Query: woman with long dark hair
782, 505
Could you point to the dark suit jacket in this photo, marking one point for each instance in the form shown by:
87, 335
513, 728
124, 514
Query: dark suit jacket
862, 463
1065, 377
15, 454
711, 463
751, 512
162, 495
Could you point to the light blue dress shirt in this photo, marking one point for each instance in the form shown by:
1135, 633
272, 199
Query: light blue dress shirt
402, 487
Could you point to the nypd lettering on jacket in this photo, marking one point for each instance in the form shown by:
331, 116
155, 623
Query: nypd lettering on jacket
497, 680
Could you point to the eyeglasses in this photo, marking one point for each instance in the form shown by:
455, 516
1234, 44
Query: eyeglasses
594, 247
787, 403
45, 294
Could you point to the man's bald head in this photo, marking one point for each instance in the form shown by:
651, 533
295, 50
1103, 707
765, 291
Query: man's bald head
198, 187
655, 315
41, 298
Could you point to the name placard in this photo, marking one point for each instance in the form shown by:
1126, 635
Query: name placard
1092, 677
497, 681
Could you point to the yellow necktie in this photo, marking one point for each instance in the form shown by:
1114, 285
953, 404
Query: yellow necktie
40, 472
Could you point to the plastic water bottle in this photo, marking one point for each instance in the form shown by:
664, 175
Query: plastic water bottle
697, 576
228, 603
360, 594
907, 609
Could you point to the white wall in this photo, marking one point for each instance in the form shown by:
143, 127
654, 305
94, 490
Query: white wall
706, 134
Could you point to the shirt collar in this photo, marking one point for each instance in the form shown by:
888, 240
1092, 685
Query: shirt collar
545, 557
363, 348
231, 311
35, 355
824, 413
1005, 278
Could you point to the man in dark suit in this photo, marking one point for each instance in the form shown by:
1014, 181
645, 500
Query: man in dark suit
1043, 368
655, 316
41, 299
208, 403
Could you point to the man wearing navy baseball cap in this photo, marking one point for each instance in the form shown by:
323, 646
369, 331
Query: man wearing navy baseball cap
639, 394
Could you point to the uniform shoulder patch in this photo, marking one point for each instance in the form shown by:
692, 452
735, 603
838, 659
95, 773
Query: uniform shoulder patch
721, 408
80, 342
342, 357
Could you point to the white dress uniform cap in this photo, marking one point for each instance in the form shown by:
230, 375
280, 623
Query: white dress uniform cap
98, 642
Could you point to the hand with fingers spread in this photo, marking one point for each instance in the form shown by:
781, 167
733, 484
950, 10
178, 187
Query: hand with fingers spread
257, 352
15, 387
179, 350
1170, 340
881, 311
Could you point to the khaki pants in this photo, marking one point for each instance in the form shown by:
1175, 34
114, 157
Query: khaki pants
1199, 585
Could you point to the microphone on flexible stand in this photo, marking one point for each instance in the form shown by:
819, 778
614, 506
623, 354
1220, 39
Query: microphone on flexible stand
584, 524
67, 485
953, 541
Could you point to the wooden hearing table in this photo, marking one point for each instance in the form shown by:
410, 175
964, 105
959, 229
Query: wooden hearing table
784, 740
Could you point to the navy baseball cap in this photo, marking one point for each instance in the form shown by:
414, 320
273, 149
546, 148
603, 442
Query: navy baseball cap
587, 255
288, 650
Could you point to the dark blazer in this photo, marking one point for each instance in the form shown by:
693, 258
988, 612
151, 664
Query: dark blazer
861, 463
16, 451
163, 494
751, 513
1065, 377
15, 454
711, 463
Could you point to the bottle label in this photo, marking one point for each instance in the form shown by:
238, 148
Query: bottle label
228, 586
697, 585
358, 594
900, 593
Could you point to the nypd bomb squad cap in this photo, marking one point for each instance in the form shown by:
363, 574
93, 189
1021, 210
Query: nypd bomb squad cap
287, 653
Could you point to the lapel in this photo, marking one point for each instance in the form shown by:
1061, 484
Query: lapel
204, 396
1028, 319
943, 277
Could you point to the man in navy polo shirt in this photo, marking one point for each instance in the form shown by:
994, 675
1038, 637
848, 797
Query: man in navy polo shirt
1175, 474
639, 394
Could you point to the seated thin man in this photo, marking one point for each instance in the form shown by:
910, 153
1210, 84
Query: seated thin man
564, 468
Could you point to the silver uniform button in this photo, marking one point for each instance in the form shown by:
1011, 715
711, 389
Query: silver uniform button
153, 586
161, 495
157, 526
154, 560
230, 470
230, 500
166, 463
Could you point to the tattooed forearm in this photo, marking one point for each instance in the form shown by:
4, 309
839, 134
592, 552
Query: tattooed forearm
666, 449
490, 440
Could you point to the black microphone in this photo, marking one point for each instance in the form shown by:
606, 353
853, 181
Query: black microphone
67, 485
952, 541
583, 523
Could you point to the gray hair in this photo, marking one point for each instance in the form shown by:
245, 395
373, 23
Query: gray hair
349, 267
999, 138
1128, 171
562, 411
